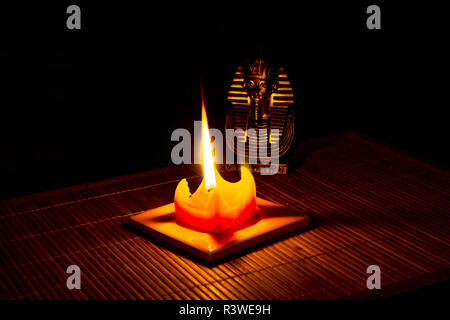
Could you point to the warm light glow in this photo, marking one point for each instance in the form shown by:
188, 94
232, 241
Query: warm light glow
207, 156
217, 204
223, 207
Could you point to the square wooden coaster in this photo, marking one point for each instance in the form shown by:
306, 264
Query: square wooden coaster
272, 220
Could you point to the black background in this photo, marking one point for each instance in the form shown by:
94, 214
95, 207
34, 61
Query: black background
395, 307
83, 105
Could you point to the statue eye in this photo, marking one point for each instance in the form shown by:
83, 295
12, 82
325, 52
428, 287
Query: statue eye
249, 84
263, 84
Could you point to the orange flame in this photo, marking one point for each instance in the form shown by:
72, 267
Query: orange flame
207, 156
217, 204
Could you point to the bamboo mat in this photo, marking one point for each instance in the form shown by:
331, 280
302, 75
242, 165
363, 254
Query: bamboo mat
369, 204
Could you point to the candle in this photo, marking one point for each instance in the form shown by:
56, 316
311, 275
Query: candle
217, 204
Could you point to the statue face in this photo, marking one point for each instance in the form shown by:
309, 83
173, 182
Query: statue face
259, 89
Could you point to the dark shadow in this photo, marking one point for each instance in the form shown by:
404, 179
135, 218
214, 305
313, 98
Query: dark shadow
301, 149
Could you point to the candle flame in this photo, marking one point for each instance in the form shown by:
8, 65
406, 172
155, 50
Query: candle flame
217, 204
207, 156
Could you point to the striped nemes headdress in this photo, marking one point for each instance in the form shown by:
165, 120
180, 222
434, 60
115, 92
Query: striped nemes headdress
282, 103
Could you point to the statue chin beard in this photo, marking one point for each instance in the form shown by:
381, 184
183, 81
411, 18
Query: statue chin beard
259, 115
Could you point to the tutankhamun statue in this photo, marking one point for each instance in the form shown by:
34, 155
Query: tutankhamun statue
261, 103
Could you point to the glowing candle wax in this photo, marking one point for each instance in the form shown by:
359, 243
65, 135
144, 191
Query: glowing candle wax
217, 204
